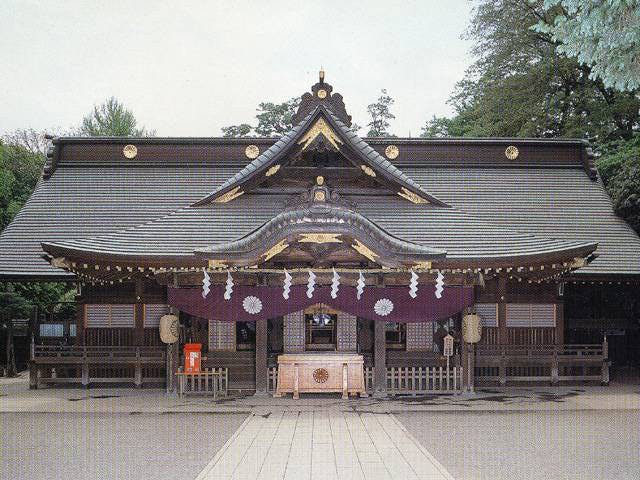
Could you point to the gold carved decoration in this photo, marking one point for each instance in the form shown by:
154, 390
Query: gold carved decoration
272, 170
412, 197
368, 170
422, 265
217, 264
130, 151
363, 250
319, 238
322, 93
320, 375
511, 152
320, 180
320, 127
230, 195
319, 196
275, 250
252, 151
392, 152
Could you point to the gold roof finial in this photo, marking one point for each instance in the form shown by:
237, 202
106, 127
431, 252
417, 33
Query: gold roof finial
321, 74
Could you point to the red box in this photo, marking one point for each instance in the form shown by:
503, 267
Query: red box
192, 357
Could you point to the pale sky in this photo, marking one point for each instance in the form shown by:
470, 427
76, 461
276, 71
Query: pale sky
189, 68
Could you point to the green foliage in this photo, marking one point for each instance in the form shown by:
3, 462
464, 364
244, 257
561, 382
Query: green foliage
613, 155
624, 188
242, 130
521, 86
380, 113
443, 127
274, 119
605, 35
20, 170
112, 119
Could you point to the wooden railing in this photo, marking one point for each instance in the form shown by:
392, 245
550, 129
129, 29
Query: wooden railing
403, 380
91, 364
418, 380
536, 363
210, 381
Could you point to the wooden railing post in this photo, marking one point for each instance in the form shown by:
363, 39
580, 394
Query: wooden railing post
85, 367
605, 362
554, 366
502, 367
138, 369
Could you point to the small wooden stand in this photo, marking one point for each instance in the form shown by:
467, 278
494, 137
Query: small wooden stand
321, 373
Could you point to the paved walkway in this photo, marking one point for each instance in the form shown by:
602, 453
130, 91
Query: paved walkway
323, 445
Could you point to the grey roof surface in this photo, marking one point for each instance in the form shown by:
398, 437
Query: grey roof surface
81, 202
288, 141
191, 228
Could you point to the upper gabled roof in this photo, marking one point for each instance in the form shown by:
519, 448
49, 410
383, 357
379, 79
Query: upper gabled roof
321, 121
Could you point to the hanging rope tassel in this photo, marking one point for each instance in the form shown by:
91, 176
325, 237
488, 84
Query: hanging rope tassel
206, 283
229, 287
286, 286
413, 285
360, 285
311, 284
335, 284
439, 284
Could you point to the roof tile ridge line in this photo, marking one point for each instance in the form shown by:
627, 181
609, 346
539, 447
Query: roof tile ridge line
402, 177
122, 230
358, 215
261, 161
509, 229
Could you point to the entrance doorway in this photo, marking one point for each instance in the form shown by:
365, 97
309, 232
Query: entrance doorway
320, 328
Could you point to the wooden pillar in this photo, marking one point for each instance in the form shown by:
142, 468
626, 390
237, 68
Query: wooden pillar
559, 323
380, 360
138, 317
502, 310
80, 326
261, 357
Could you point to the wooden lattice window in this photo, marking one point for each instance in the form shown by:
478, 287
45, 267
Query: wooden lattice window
528, 315
347, 332
222, 335
488, 314
152, 314
419, 336
109, 315
293, 332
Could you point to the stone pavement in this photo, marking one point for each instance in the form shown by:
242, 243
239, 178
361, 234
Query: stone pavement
15, 396
324, 445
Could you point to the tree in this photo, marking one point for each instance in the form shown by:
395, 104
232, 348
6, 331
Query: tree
242, 130
520, 85
624, 188
443, 127
380, 113
112, 119
274, 119
33, 141
20, 170
604, 35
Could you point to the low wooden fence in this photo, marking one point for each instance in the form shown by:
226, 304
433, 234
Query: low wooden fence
404, 380
86, 364
210, 381
419, 380
542, 363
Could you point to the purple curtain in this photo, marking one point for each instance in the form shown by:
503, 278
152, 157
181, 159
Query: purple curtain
391, 304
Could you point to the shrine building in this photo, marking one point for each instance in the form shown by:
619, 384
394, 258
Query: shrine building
328, 253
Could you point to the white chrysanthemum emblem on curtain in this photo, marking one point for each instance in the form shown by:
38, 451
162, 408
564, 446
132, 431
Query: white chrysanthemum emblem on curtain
252, 305
383, 307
